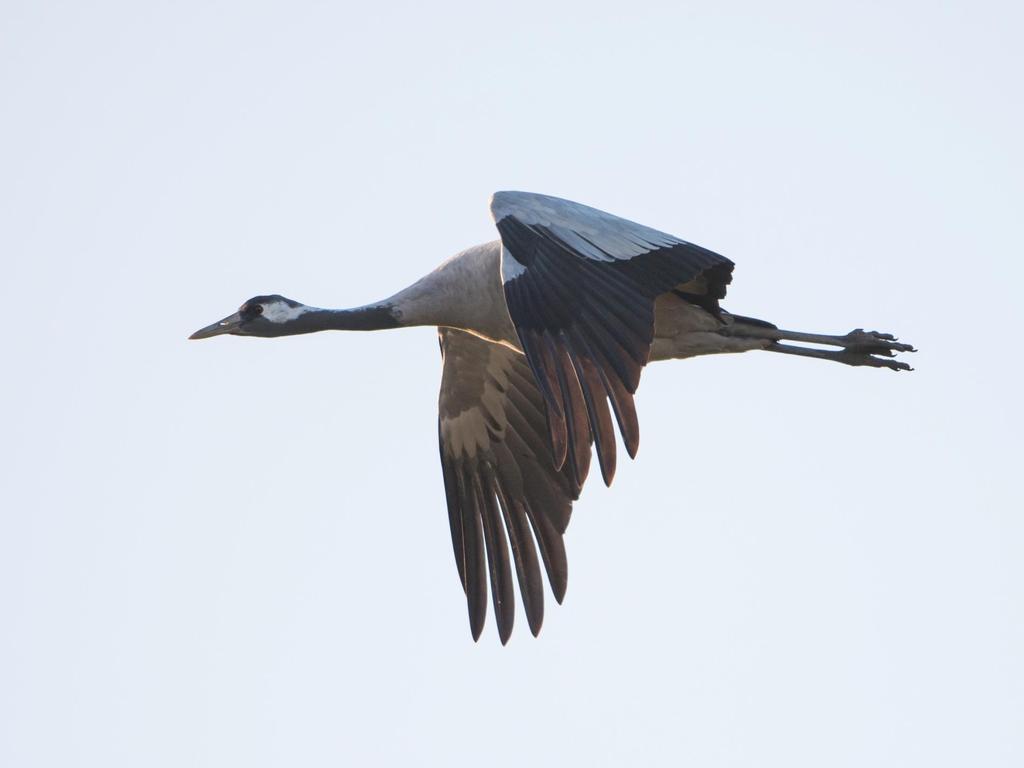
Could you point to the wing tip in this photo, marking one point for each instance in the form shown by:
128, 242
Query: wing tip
535, 625
607, 475
633, 445
559, 592
476, 630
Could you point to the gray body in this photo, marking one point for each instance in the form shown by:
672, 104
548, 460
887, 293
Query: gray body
466, 292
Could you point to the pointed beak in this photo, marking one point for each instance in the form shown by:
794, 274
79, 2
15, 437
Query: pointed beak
227, 325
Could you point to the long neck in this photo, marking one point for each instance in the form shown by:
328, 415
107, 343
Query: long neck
372, 317
464, 292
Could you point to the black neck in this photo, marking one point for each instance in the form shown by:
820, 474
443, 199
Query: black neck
373, 317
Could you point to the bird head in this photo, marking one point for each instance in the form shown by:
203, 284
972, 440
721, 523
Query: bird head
259, 316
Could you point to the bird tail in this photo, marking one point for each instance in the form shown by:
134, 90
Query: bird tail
753, 322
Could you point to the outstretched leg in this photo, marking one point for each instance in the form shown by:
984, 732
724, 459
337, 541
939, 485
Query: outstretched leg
858, 347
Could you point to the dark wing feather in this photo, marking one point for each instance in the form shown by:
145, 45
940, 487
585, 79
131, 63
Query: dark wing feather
580, 286
502, 487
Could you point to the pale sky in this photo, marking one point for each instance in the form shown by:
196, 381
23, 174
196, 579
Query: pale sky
236, 552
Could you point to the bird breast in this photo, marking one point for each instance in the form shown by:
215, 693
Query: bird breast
464, 292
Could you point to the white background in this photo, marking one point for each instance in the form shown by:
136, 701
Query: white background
236, 552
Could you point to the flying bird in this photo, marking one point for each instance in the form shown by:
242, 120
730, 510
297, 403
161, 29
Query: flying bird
543, 336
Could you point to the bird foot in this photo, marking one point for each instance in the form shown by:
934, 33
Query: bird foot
874, 343
862, 347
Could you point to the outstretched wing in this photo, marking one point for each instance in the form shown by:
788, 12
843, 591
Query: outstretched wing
580, 285
501, 483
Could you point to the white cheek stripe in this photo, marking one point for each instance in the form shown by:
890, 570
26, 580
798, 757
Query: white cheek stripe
280, 312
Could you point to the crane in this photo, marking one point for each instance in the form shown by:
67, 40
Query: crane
543, 334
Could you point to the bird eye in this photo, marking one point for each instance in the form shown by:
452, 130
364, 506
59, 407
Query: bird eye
254, 309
